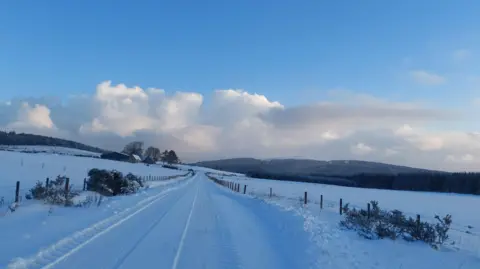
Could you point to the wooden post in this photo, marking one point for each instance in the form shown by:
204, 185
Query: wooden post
17, 192
418, 224
341, 206
84, 184
47, 181
368, 210
67, 183
244, 189
321, 201
305, 198
270, 192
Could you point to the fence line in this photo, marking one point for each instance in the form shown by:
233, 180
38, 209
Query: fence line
305, 200
19, 193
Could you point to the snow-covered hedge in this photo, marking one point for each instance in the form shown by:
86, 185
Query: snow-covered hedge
394, 224
55, 193
111, 183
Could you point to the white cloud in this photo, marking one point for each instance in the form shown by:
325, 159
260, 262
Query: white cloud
361, 149
236, 123
36, 117
427, 78
461, 54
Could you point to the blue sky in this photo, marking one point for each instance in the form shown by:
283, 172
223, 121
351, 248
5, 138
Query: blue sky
401, 78
291, 52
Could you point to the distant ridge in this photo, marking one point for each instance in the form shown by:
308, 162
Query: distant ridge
23, 139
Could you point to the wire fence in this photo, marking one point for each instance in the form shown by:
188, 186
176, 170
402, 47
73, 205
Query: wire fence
322, 202
15, 194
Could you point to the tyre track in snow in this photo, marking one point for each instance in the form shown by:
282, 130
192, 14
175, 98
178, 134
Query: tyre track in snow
52, 255
147, 232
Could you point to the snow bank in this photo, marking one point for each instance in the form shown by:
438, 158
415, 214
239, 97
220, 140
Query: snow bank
346, 249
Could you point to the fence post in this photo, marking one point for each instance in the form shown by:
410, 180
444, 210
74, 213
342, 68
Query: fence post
84, 184
17, 192
244, 189
305, 198
368, 210
418, 224
270, 192
341, 206
321, 201
67, 183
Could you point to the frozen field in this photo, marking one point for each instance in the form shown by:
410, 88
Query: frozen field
29, 168
49, 149
465, 232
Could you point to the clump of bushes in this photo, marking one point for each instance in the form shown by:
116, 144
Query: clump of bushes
54, 194
169, 166
394, 224
112, 183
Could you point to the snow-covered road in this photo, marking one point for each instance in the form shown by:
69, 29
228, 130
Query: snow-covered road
197, 225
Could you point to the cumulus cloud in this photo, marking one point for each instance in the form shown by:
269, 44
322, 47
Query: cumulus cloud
237, 123
427, 78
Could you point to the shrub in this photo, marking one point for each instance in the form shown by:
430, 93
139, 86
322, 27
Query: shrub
393, 224
112, 183
54, 194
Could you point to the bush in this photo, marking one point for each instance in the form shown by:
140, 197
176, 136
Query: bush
170, 166
112, 183
54, 193
393, 224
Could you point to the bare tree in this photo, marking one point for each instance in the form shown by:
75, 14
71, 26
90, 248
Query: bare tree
135, 147
153, 153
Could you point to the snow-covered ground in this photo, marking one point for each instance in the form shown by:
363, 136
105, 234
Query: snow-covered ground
193, 224
49, 149
354, 252
29, 168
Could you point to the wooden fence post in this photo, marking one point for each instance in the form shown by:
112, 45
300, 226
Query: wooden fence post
368, 210
341, 206
305, 198
67, 183
84, 184
321, 201
17, 192
244, 189
418, 224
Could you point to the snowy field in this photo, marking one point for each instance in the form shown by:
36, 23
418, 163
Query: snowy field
49, 149
29, 168
465, 232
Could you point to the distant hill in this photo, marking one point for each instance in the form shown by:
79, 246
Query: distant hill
337, 168
14, 139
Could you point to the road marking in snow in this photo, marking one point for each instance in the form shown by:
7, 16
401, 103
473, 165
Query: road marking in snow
184, 234
77, 248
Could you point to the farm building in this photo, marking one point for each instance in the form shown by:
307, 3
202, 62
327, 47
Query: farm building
135, 158
148, 160
115, 156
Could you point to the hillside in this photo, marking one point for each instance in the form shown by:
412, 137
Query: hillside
14, 139
337, 168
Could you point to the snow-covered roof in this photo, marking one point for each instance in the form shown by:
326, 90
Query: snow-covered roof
136, 157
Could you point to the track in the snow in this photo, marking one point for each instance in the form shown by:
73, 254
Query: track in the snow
196, 225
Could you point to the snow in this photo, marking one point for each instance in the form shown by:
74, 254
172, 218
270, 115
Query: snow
137, 158
347, 249
49, 149
193, 224
29, 168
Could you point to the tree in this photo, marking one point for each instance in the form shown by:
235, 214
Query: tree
153, 153
135, 147
172, 157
